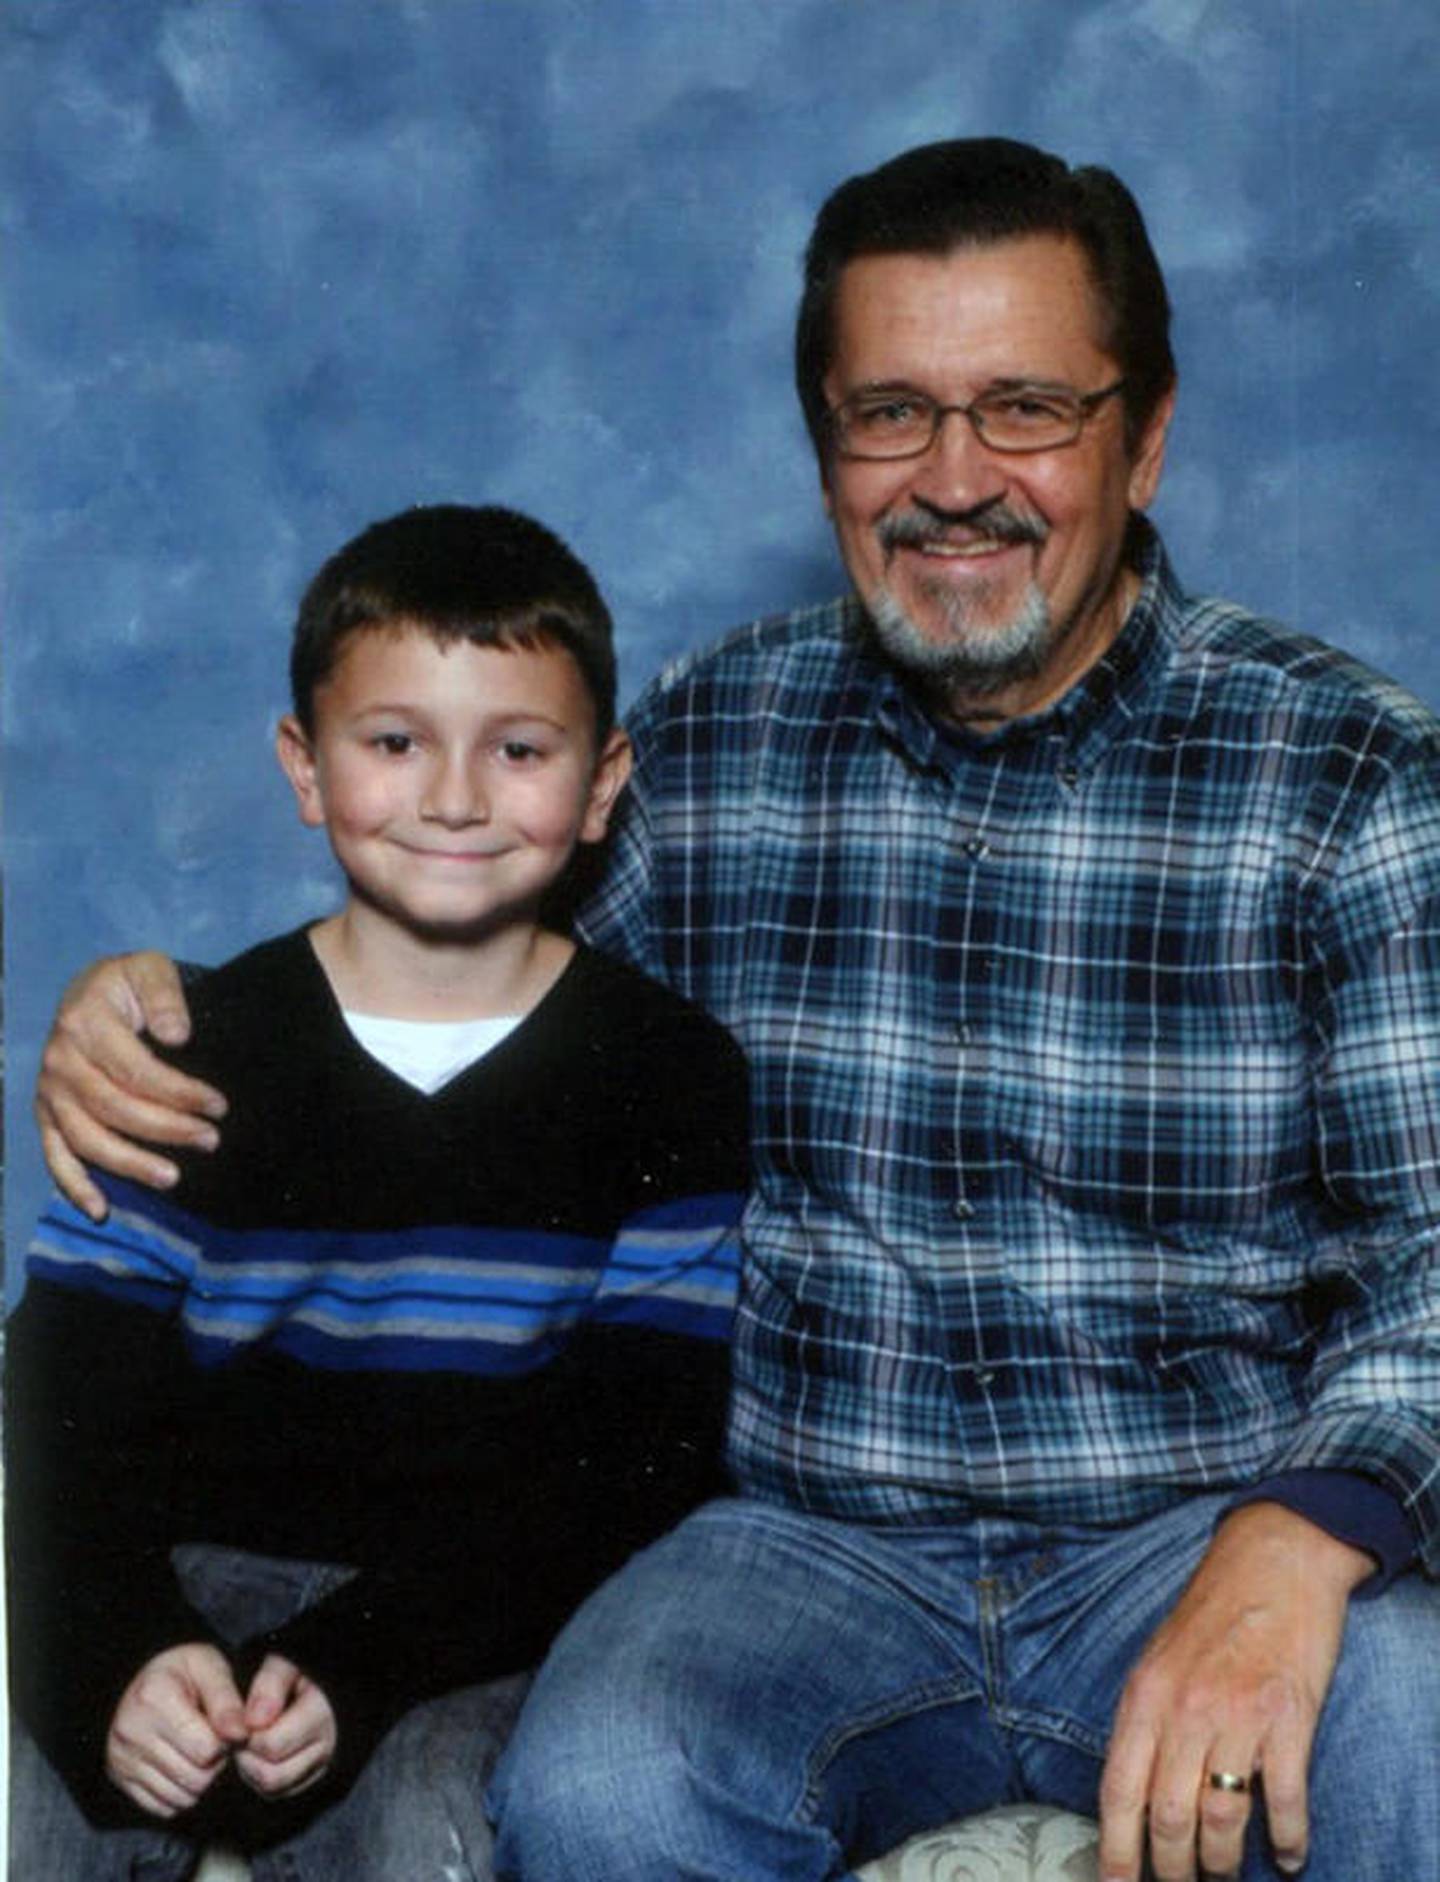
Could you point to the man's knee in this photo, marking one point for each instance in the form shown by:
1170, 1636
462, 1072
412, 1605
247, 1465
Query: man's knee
1387, 1674
1374, 1802
574, 1809
566, 1804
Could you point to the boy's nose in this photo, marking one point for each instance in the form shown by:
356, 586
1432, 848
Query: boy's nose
454, 793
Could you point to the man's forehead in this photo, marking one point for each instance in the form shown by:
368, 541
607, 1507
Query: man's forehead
1020, 303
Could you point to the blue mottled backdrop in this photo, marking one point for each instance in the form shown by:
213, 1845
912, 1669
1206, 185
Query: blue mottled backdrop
275, 267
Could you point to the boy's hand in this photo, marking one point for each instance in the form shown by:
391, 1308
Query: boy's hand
99, 1087
175, 1724
291, 1727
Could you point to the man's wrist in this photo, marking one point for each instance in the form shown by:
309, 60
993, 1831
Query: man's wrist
1349, 1507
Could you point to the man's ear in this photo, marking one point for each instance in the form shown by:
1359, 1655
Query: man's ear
824, 461
612, 771
1149, 459
297, 760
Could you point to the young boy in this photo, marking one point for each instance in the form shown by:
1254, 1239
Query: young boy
308, 1454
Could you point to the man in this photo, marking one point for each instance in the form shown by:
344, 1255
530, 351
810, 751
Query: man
1085, 939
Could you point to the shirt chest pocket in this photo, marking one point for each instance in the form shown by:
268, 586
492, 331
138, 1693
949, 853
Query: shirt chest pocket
1207, 1121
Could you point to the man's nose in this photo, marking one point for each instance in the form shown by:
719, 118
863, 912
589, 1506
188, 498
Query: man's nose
958, 470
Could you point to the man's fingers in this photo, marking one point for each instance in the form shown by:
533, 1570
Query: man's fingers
1175, 1803
155, 985
1225, 1807
115, 1077
100, 1084
1124, 1793
95, 1143
1285, 1761
70, 1176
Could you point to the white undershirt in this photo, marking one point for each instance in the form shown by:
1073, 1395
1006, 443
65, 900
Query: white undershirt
428, 1053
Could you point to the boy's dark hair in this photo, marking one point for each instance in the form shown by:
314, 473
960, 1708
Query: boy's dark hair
487, 575
970, 192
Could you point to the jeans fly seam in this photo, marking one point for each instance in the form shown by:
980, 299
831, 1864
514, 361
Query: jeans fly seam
992, 1656
927, 1698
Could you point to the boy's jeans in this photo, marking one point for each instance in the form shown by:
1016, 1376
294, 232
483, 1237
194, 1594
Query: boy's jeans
414, 1812
765, 1694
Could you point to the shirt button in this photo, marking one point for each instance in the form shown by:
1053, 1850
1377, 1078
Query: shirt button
977, 848
1069, 776
983, 1377
962, 1032
962, 1210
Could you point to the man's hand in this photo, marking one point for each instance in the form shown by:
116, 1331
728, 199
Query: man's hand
176, 1723
1232, 1681
99, 1087
291, 1727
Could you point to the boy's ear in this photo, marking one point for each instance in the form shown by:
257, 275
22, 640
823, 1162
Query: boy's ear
612, 769
297, 761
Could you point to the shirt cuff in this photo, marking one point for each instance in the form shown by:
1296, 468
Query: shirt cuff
1350, 1507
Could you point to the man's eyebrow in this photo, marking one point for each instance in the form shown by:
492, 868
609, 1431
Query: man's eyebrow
886, 385
1026, 382
1005, 382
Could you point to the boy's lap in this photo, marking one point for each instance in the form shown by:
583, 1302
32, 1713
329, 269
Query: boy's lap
49, 1836
416, 1810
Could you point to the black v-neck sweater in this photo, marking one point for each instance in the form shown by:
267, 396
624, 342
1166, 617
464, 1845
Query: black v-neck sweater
474, 1344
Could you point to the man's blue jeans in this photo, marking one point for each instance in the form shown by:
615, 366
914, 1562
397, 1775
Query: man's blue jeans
766, 1694
413, 1815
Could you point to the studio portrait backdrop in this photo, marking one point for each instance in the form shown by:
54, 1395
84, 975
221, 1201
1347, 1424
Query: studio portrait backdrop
272, 270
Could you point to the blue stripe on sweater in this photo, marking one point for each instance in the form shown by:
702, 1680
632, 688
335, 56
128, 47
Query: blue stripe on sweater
495, 1301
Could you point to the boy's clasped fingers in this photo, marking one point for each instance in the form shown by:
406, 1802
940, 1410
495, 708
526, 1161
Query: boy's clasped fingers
292, 1732
284, 1777
272, 1690
181, 1719
171, 1731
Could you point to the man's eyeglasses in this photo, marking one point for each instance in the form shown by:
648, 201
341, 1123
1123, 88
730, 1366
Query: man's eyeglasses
901, 423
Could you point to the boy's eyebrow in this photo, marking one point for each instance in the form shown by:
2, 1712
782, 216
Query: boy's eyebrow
517, 715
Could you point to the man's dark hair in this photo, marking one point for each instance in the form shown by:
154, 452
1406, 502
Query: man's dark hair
487, 575
968, 193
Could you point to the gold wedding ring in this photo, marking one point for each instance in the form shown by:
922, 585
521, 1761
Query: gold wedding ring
1228, 1781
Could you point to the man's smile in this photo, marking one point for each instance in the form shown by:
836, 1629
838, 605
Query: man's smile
956, 551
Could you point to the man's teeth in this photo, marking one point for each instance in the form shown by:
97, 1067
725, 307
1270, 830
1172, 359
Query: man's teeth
984, 545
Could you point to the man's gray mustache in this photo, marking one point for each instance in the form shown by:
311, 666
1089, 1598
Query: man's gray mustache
912, 529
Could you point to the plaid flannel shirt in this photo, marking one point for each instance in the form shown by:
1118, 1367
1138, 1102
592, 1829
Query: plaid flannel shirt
1096, 1063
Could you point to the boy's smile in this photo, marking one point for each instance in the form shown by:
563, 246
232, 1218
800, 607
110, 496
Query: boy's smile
454, 781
